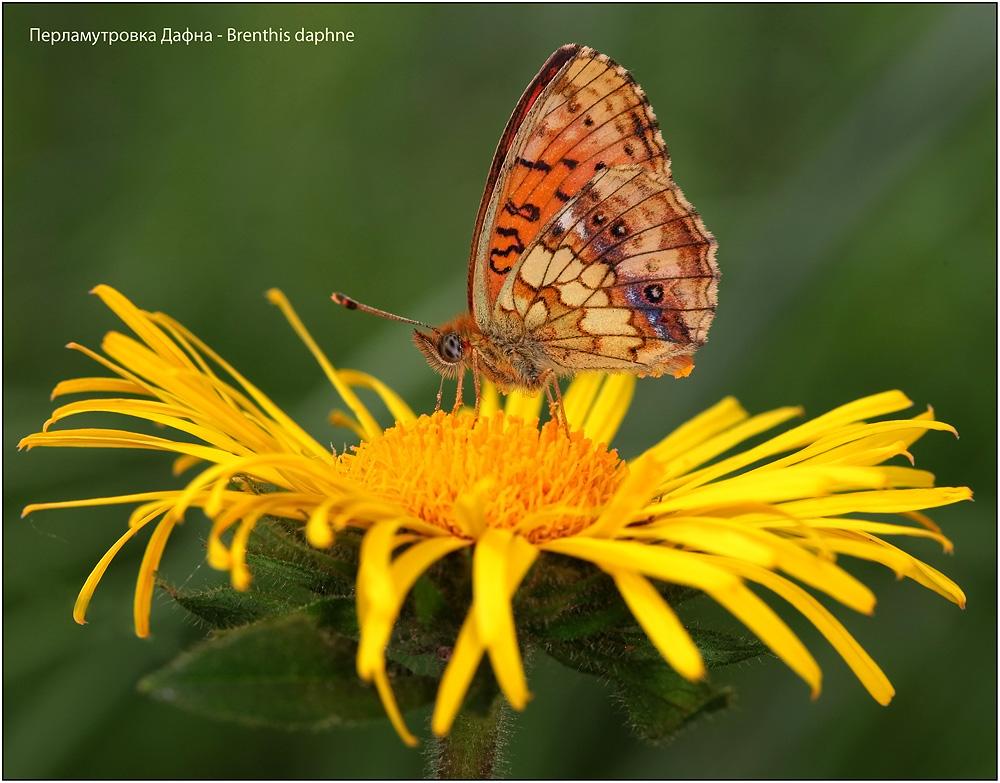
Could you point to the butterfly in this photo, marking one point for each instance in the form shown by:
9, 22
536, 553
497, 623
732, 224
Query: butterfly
585, 254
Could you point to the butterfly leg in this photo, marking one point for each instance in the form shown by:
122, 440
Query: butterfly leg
476, 381
437, 405
556, 409
479, 392
458, 394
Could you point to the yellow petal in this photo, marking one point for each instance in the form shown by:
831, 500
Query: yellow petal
374, 581
720, 537
804, 434
349, 397
610, 407
722, 442
113, 385
392, 708
831, 525
147, 572
660, 623
400, 411
580, 396
469, 648
524, 406
465, 657
140, 323
902, 563
489, 585
871, 676
318, 530
771, 487
405, 570
770, 629
878, 501
138, 497
719, 417
630, 499
504, 652
489, 403
87, 592
849, 442
670, 565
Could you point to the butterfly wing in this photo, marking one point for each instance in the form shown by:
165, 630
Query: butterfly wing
622, 278
581, 114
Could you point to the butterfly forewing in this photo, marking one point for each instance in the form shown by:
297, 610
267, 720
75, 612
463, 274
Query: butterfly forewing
573, 121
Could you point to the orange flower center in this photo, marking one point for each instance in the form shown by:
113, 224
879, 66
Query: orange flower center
509, 468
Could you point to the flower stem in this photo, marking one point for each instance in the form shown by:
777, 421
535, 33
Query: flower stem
472, 749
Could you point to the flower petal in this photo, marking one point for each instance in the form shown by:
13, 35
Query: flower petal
771, 487
580, 396
392, 708
721, 416
526, 406
147, 571
140, 323
670, 565
87, 592
660, 623
608, 410
890, 501
629, 500
489, 403
505, 655
469, 647
489, 585
871, 676
709, 448
400, 411
770, 629
113, 385
465, 657
276, 297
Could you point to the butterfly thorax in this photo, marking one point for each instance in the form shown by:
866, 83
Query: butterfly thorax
506, 356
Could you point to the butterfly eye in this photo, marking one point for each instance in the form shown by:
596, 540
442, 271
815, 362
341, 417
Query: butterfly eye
451, 348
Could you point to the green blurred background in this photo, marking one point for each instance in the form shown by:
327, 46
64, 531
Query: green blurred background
845, 157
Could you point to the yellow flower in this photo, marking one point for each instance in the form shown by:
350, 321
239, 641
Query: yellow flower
775, 514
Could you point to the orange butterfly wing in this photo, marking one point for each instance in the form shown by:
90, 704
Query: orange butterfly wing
582, 234
582, 113
622, 278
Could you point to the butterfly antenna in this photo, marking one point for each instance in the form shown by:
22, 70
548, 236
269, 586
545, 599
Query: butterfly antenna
354, 304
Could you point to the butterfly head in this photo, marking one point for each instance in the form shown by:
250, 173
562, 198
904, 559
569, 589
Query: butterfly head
447, 349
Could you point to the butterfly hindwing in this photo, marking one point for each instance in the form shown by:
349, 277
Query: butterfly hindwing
581, 115
623, 277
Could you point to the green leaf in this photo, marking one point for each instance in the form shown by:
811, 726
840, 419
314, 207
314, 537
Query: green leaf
720, 649
223, 607
286, 672
564, 598
338, 614
428, 602
666, 702
659, 701
301, 584
282, 539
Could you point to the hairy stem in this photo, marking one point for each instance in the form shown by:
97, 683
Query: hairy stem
472, 749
